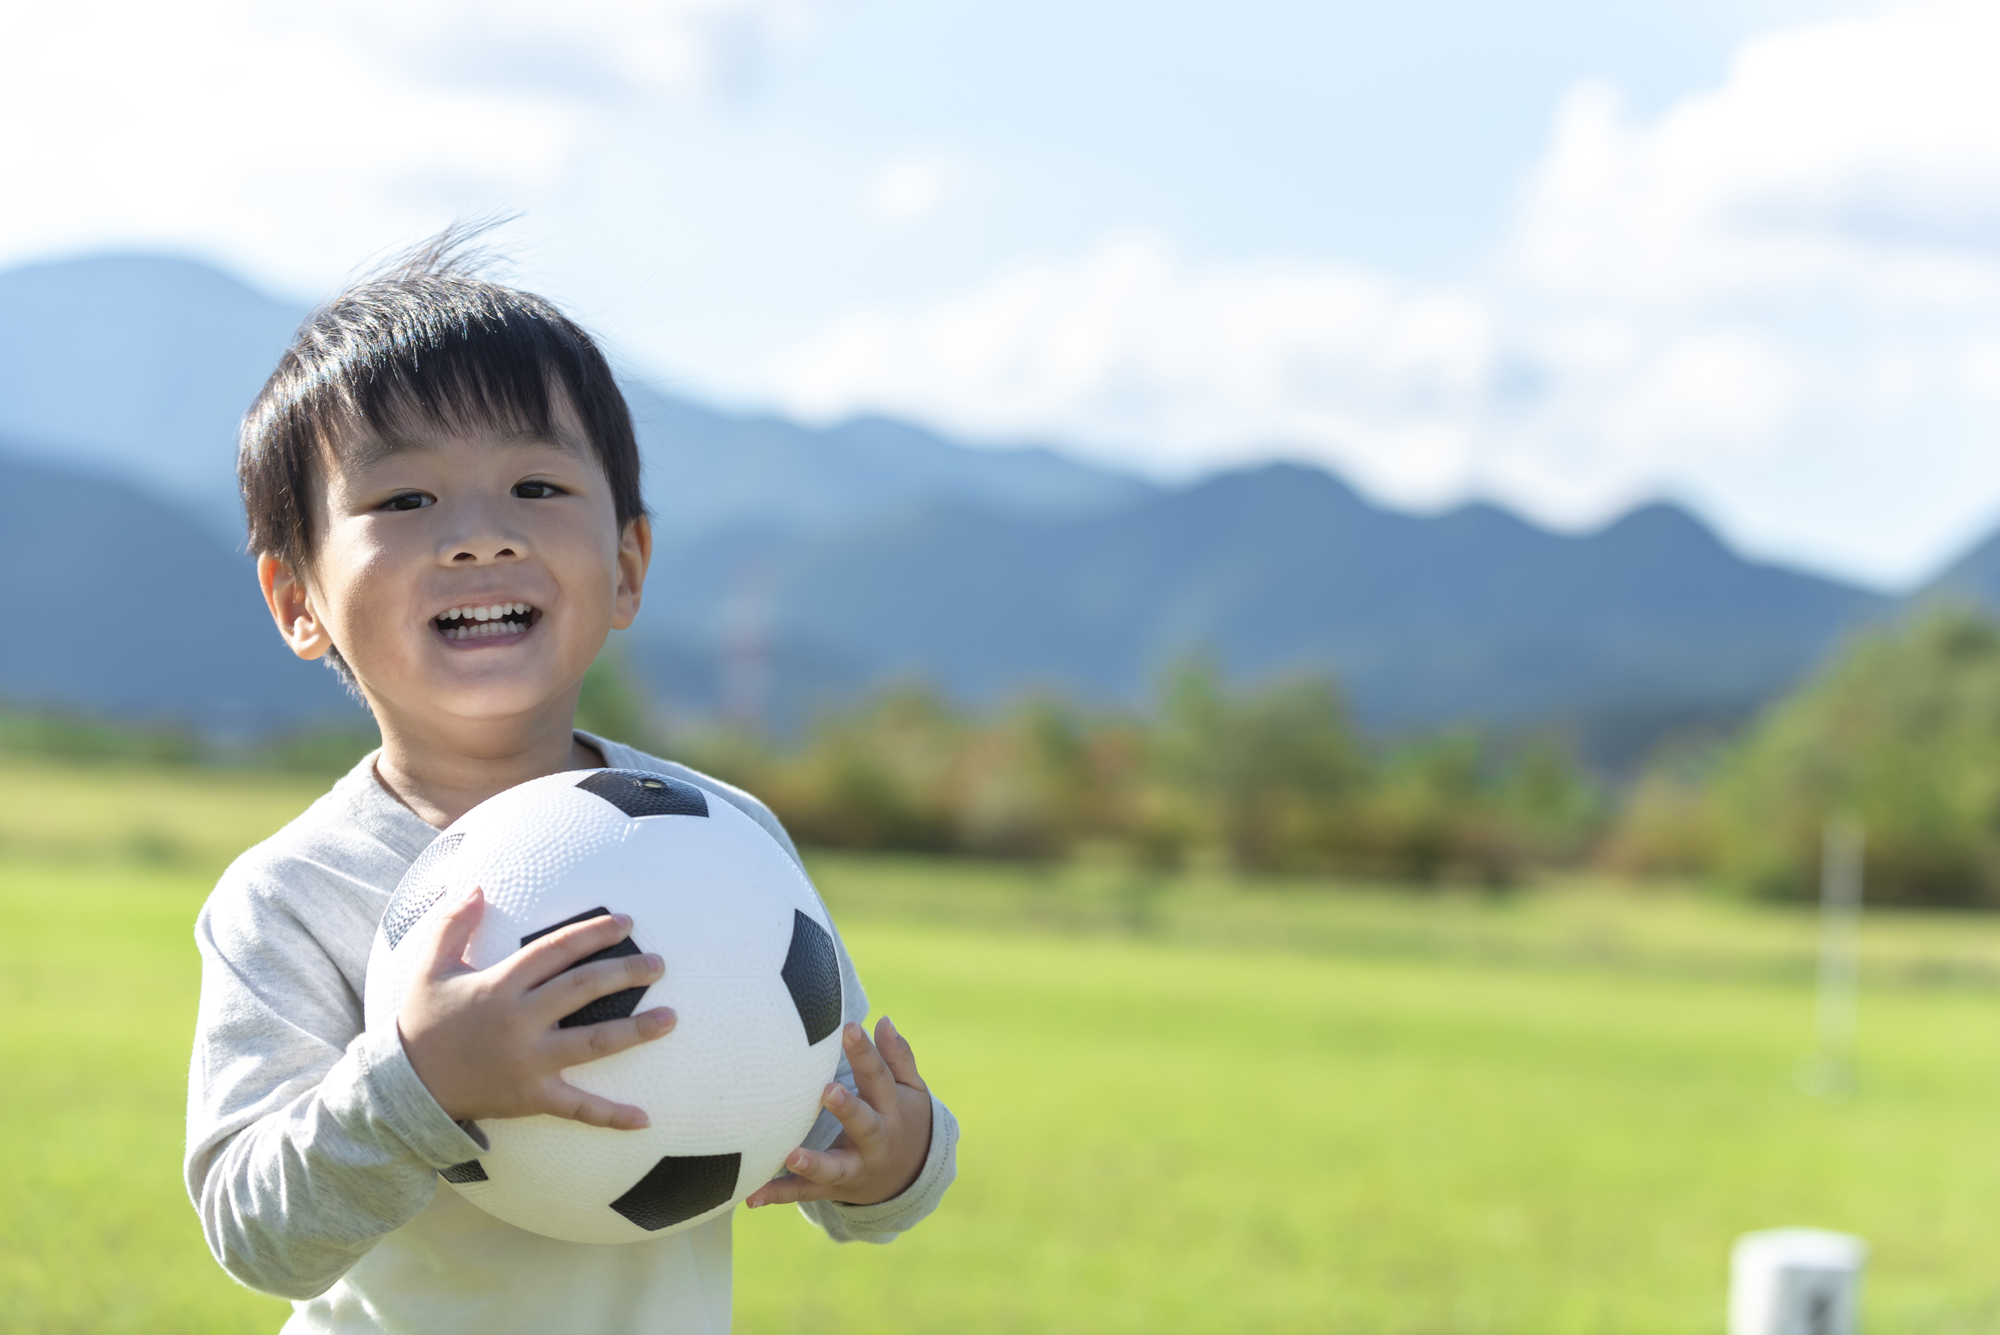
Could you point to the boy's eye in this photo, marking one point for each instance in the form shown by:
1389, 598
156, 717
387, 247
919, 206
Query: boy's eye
408, 500
535, 491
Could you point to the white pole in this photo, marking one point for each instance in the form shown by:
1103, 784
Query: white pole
1832, 1074
1796, 1281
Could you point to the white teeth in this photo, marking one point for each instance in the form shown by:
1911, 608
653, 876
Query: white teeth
469, 622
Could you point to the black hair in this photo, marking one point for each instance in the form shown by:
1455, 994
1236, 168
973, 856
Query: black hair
428, 337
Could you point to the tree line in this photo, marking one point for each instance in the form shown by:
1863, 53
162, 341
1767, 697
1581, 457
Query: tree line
1273, 779
1901, 730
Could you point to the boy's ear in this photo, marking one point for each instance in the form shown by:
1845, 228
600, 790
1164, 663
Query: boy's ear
635, 553
291, 607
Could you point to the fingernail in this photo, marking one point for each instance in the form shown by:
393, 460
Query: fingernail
639, 1123
469, 895
852, 1034
664, 1018
836, 1096
655, 963
623, 920
797, 1162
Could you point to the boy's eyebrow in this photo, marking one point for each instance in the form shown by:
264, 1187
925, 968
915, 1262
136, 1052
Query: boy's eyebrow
373, 448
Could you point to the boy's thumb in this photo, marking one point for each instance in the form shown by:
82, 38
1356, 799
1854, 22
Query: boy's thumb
454, 931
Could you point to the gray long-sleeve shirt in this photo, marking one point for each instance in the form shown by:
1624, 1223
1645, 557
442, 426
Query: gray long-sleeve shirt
313, 1147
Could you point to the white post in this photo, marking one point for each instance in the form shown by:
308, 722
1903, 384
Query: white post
1796, 1281
1831, 1074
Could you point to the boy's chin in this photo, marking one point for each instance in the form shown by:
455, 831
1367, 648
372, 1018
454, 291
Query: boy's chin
496, 710
492, 690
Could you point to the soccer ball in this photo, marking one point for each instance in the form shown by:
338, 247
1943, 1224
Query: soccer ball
751, 971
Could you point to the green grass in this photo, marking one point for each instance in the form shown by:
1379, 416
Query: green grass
1188, 1105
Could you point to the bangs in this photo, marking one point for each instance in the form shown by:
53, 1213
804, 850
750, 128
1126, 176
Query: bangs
451, 365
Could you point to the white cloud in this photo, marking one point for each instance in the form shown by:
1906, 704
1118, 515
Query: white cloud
266, 132
591, 50
1132, 344
1979, 369
912, 188
1775, 286
1861, 155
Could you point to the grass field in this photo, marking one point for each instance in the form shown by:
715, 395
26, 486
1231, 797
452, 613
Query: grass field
1188, 1105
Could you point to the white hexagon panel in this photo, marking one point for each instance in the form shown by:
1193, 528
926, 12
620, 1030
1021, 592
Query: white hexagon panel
751, 971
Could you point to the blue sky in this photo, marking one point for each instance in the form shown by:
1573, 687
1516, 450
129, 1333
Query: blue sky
1564, 255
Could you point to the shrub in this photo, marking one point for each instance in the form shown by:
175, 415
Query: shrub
1903, 733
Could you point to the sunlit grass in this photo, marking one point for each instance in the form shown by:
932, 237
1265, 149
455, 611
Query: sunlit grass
1187, 1105
98, 977
1170, 1136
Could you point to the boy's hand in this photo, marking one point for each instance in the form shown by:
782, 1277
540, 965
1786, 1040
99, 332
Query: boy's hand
885, 1134
485, 1041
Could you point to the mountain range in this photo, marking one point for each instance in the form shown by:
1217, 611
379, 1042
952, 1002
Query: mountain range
798, 567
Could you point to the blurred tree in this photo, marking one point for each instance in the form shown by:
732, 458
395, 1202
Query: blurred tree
1429, 816
1263, 775
1665, 827
611, 706
1903, 732
1549, 802
1269, 779
1666, 823
1026, 784
883, 777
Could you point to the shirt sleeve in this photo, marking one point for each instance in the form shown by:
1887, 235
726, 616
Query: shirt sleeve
308, 1139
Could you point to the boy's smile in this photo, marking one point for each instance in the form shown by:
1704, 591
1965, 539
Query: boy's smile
485, 624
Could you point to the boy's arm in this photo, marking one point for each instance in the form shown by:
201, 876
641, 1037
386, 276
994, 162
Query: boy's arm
307, 1139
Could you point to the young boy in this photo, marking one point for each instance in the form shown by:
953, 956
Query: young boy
442, 485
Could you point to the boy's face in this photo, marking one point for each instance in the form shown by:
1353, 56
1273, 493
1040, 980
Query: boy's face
468, 575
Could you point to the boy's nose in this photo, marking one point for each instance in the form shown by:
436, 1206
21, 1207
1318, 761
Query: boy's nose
482, 536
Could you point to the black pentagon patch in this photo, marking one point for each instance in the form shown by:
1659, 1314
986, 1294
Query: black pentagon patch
615, 1006
812, 973
422, 886
678, 1188
638, 794
469, 1171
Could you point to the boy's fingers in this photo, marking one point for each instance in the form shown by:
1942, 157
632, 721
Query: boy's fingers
871, 1076
816, 1176
589, 1042
861, 1122
578, 987
454, 933
780, 1191
566, 1100
545, 957
900, 1056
